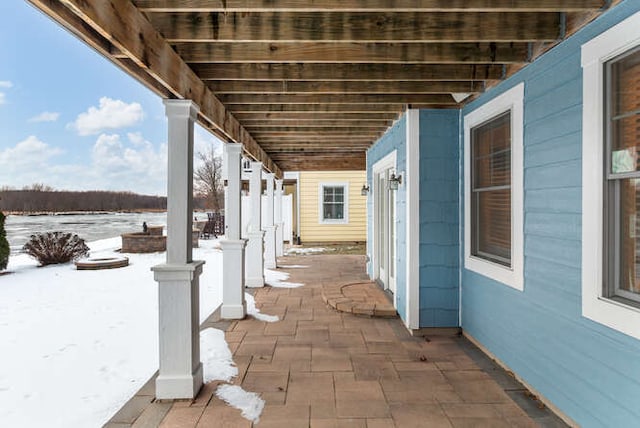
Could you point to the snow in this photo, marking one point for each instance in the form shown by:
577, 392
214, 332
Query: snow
277, 279
249, 403
308, 250
255, 312
217, 361
76, 345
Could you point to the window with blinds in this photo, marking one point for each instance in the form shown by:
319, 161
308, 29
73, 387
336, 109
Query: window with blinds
622, 180
491, 190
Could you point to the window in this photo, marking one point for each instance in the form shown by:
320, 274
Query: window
493, 188
610, 177
622, 181
333, 203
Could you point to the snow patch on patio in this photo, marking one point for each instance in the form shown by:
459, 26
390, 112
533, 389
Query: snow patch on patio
278, 279
217, 360
255, 312
249, 403
308, 250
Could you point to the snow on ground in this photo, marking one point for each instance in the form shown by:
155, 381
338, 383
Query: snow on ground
277, 279
255, 312
217, 360
76, 345
308, 250
249, 403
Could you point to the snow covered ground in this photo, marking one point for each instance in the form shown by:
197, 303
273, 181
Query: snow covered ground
76, 345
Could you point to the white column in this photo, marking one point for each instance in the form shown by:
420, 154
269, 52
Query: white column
254, 262
180, 373
412, 180
269, 227
277, 214
233, 303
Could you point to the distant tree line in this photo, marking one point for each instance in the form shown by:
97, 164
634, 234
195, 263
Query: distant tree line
31, 201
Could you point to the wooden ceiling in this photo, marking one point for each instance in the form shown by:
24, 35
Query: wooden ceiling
311, 84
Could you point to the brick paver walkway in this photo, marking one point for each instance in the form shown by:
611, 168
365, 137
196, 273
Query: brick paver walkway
318, 367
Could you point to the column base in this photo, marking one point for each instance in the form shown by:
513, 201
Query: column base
279, 239
233, 312
233, 304
254, 261
270, 248
179, 387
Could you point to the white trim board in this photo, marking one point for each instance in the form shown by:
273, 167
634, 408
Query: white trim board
412, 204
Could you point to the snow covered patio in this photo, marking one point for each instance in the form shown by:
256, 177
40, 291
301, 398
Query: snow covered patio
322, 368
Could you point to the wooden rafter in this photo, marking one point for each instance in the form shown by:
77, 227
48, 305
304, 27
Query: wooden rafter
356, 26
369, 5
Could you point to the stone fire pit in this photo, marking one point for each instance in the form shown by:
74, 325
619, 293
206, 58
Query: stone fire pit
152, 241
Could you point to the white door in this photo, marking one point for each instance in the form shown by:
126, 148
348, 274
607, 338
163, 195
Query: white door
385, 230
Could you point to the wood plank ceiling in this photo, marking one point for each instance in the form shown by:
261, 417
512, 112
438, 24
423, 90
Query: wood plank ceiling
311, 84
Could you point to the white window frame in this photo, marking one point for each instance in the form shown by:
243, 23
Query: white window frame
512, 100
595, 53
321, 218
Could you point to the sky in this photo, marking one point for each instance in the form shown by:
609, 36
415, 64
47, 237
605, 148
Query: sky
71, 119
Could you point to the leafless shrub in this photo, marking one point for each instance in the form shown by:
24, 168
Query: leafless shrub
55, 247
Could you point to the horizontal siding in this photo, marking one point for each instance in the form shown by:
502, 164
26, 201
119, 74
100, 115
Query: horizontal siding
590, 372
311, 229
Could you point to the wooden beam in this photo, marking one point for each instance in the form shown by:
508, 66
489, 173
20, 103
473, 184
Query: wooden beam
113, 20
356, 26
303, 124
317, 108
309, 138
273, 117
351, 72
328, 52
345, 87
338, 99
367, 5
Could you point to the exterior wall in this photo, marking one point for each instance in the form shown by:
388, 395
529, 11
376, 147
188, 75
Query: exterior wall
311, 229
393, 139
590, 372
439, 162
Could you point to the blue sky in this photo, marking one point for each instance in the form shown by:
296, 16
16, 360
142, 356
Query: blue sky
71, 119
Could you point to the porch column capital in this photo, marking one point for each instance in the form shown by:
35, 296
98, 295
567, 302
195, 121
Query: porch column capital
185, 109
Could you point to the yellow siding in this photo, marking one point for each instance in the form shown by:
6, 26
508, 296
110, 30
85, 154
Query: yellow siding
311, 229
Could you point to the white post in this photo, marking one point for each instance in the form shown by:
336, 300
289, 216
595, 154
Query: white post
180, 373
277, 214
233, 303
270, 229
254, 262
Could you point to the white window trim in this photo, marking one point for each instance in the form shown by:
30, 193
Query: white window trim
511, 100
321, 187
613, 42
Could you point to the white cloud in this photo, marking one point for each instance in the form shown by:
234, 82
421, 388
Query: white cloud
5, 84
131, 164
45, 116
111, 114
3, 98
25, 163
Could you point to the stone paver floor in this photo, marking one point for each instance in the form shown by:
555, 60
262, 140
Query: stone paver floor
319, 367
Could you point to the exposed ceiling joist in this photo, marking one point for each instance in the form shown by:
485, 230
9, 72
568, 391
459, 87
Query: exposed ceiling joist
369, 5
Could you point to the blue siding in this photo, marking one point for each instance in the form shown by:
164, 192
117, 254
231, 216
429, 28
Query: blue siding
439, 159
590, 372
394, 139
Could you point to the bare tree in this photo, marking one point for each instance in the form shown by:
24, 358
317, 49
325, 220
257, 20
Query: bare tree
208, 179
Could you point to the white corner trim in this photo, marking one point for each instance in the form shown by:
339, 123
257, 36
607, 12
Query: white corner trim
321, 187
511, 100
412, 177
596, 307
